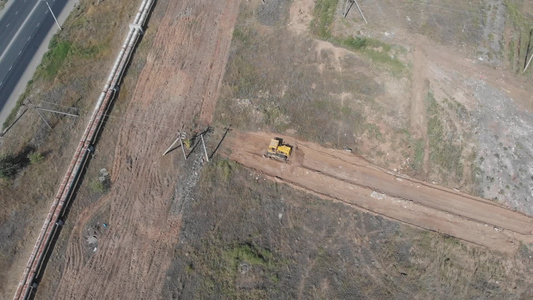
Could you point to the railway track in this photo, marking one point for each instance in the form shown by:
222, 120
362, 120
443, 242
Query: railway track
42, 246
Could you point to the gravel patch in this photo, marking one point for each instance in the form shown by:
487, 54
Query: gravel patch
505, 140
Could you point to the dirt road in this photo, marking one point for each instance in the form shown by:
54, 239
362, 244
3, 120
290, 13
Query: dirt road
418, 104
345, 177
179, 81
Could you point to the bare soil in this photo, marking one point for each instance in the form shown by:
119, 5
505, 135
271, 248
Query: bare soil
342, 176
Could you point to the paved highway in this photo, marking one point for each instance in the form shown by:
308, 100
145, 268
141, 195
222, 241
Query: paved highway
12, 20
23, 29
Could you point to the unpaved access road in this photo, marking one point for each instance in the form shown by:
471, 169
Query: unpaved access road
345, 177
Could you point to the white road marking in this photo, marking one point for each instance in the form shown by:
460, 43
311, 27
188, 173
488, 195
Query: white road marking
7, 25
20, 52
10, 68
17, 13
38, 24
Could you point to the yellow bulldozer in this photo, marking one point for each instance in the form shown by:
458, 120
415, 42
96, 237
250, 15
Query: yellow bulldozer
278, 150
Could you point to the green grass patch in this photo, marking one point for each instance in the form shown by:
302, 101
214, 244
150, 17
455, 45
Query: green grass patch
243, 34
246, 82
354, 43
250, 254
35, 157
224, 168
514, 13
324, 14
443, 151
396, 67
511, 52
60, 51
418, 157
378, 52
96, 186
373, 131
222, 266
523, 25
54, 59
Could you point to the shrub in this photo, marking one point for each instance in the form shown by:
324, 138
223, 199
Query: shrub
35, 157
354, 43
9, 166
55, 57
97, 187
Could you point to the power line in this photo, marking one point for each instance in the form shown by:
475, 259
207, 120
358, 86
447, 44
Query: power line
109, 116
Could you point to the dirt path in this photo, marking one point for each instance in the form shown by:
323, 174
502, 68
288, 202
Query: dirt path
418, 118
179, 81
516, 87
342, 176
300, 16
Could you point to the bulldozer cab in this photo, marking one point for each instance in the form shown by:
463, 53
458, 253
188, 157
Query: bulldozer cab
277, 149
274, 143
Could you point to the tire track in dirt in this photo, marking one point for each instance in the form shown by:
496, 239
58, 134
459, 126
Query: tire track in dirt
344, 177
179, 82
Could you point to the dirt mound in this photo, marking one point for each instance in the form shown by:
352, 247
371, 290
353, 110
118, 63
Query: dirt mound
342, 176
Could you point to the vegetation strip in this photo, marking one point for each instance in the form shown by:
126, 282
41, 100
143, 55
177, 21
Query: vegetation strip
379, 52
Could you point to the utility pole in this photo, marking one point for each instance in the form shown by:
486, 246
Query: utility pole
180, 138
351, 2
528, 62
205, 150
44, 120
360, 11
183, 149
55, 111
49, 8
37, 109
227, 129
14, 122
